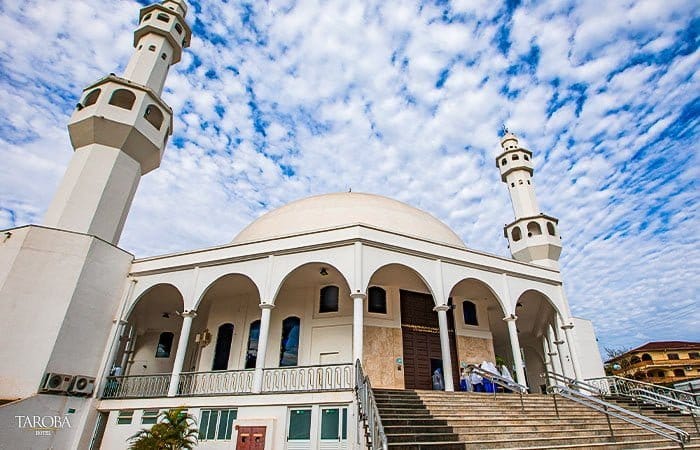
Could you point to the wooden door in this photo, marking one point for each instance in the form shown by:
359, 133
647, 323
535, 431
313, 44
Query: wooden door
251, 438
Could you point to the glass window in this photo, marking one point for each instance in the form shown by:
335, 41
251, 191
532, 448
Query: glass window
251, 356
376, 301
678, 373
289, 347
334, 424
125, 416
673, 356
469, 313
165, 344
216, 424
223, 347
329, 299
299, 424
149, 416
694, 355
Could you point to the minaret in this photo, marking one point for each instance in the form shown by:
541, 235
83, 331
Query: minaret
119, 129
533, 236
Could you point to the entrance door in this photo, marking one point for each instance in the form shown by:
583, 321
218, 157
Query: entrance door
334, 428
422, 353
251, 438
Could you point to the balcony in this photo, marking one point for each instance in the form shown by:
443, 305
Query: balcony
320, 378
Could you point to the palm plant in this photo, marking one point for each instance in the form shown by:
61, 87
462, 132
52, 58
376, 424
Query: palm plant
175, 430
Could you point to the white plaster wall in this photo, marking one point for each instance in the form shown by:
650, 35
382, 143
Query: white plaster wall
587, 349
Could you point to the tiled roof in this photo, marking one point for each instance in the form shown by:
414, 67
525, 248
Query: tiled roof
667, 345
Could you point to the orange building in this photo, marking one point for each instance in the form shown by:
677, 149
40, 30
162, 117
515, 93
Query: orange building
662, 362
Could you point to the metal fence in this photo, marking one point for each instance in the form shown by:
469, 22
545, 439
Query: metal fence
137, 386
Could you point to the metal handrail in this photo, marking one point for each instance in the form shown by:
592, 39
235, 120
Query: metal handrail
500, 381
619, 385
369, 414
572, 383
611, 410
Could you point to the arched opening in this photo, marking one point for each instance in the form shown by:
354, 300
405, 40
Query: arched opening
123, 98
376, 300
504, 161
635, 360
251, 357
516, 234
178, 28
328, 301
163, 17
550, 229
515, 158
92, 97
289, 344
533, 229
154, 116
646, 357
222, 352
527, 158
678, 372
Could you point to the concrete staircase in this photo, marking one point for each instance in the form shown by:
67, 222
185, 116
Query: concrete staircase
674, 418
417, 420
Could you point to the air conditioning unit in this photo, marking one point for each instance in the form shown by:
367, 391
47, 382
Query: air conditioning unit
56, 382
82, 385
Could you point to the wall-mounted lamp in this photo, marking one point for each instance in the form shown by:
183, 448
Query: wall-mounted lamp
323, 272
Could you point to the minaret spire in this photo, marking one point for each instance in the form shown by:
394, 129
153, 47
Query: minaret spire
533, 236
119, 129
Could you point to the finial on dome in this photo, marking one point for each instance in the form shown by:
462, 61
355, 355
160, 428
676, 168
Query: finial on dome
509, 139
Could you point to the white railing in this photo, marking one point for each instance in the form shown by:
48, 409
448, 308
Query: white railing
614, 385
370, 423
333, 377
227, 382
137, 386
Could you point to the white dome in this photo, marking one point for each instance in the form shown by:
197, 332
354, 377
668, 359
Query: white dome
329, 211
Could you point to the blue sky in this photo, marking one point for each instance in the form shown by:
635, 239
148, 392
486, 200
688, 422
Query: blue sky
279, 100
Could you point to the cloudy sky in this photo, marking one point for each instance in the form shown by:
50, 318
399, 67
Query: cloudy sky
279, 100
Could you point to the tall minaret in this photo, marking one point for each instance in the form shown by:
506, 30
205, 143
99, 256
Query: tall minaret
533, 236
120, 128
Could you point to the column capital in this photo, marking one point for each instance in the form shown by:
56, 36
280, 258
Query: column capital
552, 353
440, 308
567, 326
266, 306
359, 295
188, 313
510, 318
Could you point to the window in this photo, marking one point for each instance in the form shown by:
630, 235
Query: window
550, 229
694, 355
289, 347
299, 425
154, 116
678, 372
516, 234
124, 417
163, 17
533, 229
151, 48
469, 313
223, 347
504, 162
146, 17
149, 416
376, 300
334, 424
122, 98
673, 356
329, 299
251, 356
164, 56
526, 158
646, 357
635, 360
91, 98
178, 28
515, 158
165, 344
216, 424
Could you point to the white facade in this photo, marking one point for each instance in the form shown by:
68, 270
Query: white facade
264, 331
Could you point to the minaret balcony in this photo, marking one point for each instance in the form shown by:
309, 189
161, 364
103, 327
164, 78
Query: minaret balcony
534, 238
514, 159
166, 22
119, 113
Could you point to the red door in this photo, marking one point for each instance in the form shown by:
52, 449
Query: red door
250, 438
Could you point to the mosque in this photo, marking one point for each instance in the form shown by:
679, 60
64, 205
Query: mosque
258, 337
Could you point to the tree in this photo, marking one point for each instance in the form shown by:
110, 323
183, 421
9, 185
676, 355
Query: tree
175, 430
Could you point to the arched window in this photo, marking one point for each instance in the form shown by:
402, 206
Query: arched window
163, 17
146, 17
152, 48
92, 97
635, 360
469, 313
678, 372
515, 157
329, 299
122, 98
289, 346
550, 229
223, 347
527, 158
251, 355
504, 161
376, 300
154, 116
516, 234
646, 357
178, 28
533, 229
165, 345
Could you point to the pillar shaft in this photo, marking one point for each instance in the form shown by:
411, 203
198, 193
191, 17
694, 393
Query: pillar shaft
357, 326
515, 348
445, 347
187, 318
262, 346
572, 350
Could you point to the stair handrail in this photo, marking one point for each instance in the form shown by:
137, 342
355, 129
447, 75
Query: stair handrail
571, 383
611, 410
500, 381
369, 413
616, 385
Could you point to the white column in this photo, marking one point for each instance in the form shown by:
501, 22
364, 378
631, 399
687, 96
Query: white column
187, 318
515, 348
262, 346
554, 356
445, 347
572, 350
558, 341
357, 326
